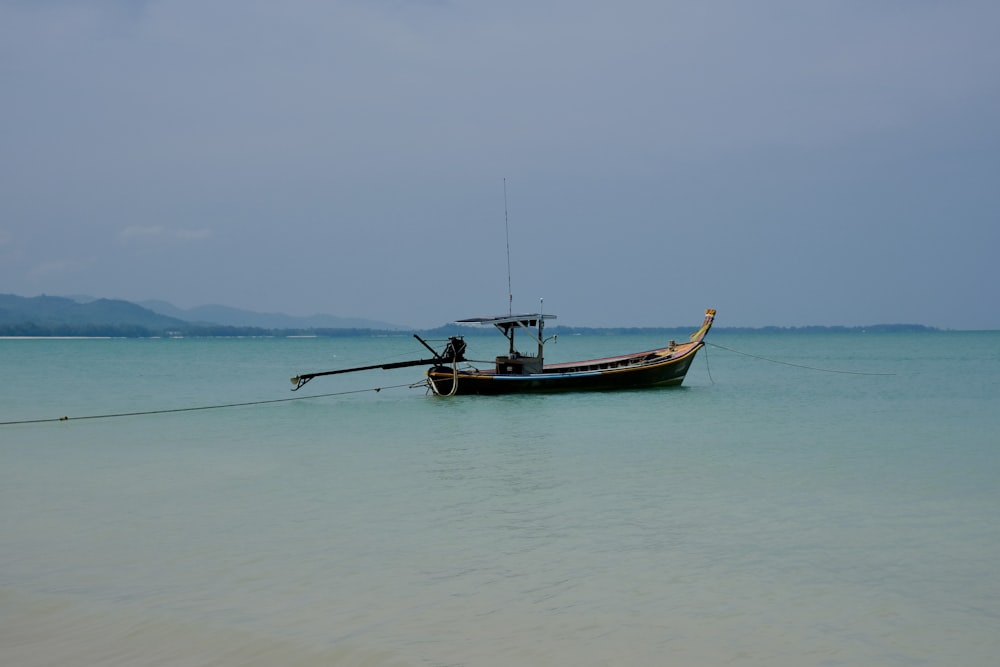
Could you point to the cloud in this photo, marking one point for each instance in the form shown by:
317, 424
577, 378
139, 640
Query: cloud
57, 267
378, 132
193, 234
139, 232
136, 232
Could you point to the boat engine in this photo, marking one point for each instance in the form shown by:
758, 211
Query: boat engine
455, 349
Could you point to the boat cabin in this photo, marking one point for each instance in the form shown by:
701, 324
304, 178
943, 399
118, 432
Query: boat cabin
516, 362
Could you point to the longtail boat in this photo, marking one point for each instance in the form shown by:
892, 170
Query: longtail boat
451, 374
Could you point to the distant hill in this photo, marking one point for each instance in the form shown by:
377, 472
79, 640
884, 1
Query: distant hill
60, 316
236, 317
87, 316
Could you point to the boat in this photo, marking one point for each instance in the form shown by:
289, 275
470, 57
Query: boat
451, 374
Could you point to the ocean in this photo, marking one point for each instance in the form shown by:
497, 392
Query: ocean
827, 499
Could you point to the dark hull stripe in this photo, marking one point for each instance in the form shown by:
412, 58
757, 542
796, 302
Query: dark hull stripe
667, 373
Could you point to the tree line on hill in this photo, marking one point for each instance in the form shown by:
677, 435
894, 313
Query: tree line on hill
47, 316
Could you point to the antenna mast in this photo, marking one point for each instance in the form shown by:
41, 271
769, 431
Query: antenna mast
510, 293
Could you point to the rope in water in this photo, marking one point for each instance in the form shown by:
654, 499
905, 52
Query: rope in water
787, 363
708, 367
375, 389
202, 407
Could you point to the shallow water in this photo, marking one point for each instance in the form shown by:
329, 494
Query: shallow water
762, 514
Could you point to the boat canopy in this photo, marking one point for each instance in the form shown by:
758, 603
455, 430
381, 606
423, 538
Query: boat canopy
529, 320
531, 323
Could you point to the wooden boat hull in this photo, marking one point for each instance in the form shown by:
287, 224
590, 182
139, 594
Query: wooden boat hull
518, 373
655, 368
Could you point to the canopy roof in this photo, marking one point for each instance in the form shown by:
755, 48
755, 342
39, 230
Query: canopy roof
523, 320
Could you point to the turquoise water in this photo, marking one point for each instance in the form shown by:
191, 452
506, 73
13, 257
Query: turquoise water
762, 514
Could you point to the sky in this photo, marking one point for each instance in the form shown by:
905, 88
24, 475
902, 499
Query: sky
788, 163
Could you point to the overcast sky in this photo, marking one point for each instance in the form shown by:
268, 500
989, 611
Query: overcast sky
788, 163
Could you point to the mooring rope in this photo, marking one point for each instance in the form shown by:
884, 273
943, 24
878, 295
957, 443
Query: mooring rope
200, 407
708, 367
787, 363
454, 377
428, 383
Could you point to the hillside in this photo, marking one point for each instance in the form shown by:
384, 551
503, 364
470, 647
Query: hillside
59, 316
235, 317
83, 316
